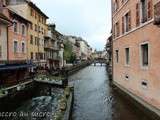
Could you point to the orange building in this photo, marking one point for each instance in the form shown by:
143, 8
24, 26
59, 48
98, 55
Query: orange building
136, 46
17, 37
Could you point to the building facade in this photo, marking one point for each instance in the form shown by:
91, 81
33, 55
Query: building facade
4, 24
13, 35
53, 47
37, 29
17, 37
136, 49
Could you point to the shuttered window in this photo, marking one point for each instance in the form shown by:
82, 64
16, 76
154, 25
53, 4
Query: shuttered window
157, 14
150, 10
143, 11
122, 25
117, 31
137, 14
126, 22
129, 20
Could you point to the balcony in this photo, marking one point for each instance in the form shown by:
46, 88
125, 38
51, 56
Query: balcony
54, 58
51, 47
157, 14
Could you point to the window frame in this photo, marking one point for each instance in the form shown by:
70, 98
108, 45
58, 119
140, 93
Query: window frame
24, 34
24, 47
144, 67
127, 56
117, 55
14, 46
15, 22
142, 19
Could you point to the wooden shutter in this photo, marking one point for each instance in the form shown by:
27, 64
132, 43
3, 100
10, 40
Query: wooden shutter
118, 30
137, 14
113, 31
129, 20
149, 9
157, 14
123, 25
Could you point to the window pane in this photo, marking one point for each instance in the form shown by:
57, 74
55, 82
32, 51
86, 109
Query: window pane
127, 56
144, 54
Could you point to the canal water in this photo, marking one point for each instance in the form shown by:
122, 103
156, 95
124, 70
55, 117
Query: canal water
94, 99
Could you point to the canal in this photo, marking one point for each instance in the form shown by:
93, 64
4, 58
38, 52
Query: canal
94, 99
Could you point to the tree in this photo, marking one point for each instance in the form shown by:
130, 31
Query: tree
69, 56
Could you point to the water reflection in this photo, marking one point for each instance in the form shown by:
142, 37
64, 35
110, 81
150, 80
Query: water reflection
95, 99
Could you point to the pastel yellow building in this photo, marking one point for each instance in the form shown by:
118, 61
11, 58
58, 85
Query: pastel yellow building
37, 29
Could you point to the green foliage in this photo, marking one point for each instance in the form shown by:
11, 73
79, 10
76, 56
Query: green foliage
69, 56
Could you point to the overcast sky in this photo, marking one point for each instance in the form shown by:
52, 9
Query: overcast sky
89, 19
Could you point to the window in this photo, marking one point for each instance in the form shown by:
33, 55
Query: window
15, 46
157, 14
39, 29
35, 27
36, 56
23, 47
39, 18
116, 5
127, 52
32, 12
127, 22
23, 30
32, 57
15, 27
35, 40
117, 33
42, 30
150, 9
117, 56
143, 11
38, 41
31, 39
144, 54
137, 14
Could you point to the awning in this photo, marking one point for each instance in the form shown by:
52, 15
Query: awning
14, 67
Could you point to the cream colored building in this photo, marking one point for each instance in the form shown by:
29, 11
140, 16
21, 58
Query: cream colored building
37, 30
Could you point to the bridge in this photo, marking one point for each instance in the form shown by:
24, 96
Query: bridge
101, 61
